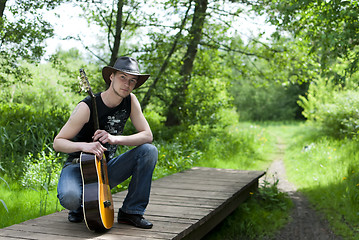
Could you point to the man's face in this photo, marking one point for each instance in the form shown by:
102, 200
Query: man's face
123, 83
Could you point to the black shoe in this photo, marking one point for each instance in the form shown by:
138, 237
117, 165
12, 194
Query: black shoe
76, 216
133, 219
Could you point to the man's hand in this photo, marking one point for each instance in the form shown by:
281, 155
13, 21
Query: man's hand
94, 148
104, 137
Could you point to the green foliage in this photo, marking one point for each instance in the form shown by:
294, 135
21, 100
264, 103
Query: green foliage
23, 130
267, 103
47, 81
33, 114
10, 72
65, 67
207, 95
42, 171
205, 99
23, 31
266, 85
329, 26
174, 157
333, 108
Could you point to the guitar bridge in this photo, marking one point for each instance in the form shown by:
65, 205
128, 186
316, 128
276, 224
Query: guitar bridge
107, 203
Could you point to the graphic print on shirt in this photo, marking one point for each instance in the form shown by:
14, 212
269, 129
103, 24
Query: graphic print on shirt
114, 126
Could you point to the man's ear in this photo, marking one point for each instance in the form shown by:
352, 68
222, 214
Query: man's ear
112, 76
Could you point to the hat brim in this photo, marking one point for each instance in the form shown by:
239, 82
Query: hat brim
107, 71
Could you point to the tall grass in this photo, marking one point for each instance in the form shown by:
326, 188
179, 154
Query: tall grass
25, 130
243, 146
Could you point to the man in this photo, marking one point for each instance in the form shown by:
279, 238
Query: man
115, 106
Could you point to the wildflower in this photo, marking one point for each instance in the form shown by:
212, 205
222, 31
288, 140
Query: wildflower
357, 185
251, 193
344, 178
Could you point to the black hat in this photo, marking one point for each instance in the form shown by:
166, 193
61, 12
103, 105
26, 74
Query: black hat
127, 65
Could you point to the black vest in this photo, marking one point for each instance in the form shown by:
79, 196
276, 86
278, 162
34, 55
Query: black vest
112, 120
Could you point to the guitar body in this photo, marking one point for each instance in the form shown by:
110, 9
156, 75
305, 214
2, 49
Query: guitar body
96, 198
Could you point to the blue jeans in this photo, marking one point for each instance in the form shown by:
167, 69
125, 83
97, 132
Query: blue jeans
139, 163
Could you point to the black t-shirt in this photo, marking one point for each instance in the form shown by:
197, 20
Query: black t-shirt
112, 120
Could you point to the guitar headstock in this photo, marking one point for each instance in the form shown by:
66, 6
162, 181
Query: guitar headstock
84, 83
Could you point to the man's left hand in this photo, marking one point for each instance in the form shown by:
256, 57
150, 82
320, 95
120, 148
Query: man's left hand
103, 137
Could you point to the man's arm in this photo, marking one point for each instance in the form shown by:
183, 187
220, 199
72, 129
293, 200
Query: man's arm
62, 142
143, 135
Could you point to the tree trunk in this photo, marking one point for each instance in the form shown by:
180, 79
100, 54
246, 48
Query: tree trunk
176, 109
146, 99
117, 42
2, 7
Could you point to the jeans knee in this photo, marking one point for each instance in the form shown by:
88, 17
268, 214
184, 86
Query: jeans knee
151, 153
70, 199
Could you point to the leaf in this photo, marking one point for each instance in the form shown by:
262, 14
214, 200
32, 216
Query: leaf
5, 182
4, 205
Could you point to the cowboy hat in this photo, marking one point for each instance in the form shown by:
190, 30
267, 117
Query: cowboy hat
127, 65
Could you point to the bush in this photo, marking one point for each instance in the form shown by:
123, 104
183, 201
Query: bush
42, 171
25, 130
334, 108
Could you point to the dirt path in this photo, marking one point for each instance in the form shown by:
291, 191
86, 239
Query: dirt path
305, 222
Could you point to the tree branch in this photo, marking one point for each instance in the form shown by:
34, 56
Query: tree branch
147, 97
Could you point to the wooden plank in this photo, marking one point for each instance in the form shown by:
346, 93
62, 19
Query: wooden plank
8, 238
20, 234
202, 227
185, 205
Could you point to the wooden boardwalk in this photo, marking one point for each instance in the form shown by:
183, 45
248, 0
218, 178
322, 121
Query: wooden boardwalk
185, 205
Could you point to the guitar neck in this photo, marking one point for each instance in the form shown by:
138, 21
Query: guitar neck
86, 86
95, 114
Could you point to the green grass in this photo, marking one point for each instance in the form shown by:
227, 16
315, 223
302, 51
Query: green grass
326, 170
20, 204
245, 146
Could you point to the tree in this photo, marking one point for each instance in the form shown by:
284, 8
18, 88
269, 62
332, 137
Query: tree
22, 35
267, 87
146, 98
176, 107
331, 27
119, 20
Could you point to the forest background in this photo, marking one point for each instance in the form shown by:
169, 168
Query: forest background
207, 79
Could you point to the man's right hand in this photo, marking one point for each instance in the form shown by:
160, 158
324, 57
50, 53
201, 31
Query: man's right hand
94, 148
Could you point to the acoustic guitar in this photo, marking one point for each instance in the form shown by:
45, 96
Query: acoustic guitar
97, 201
